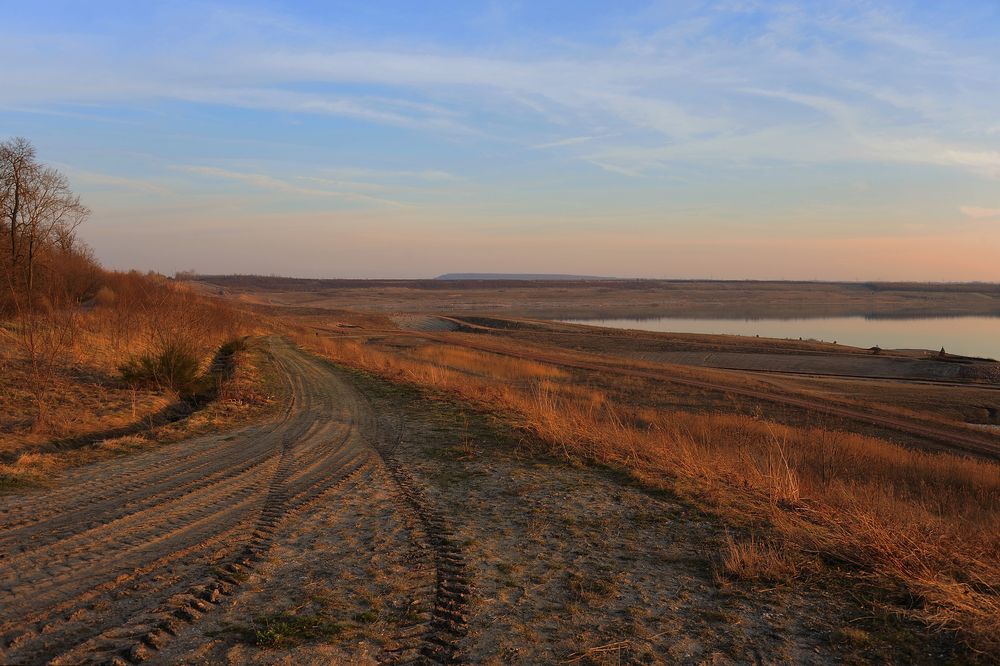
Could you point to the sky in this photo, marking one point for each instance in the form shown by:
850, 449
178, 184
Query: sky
739, 139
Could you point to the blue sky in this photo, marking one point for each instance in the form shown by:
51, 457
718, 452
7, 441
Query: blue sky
678, 139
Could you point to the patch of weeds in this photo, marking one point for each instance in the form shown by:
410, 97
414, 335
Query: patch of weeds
505, 571
10, 482
756, 560
411, 615
852, 636
590, 587
286, 629
240, 576
454, 475
714, 615
647, 518
370, 616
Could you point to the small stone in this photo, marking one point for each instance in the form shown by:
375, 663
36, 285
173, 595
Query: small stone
155, 639
171, 626
200, 605
139, 653
186, 614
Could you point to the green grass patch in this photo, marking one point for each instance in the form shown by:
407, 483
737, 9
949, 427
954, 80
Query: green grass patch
285, 629
370, 616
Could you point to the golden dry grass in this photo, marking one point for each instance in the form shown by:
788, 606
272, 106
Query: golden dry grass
930, 522
47, 422
756, 559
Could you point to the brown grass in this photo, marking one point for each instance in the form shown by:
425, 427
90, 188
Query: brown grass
756, 559
86, 396
930, 522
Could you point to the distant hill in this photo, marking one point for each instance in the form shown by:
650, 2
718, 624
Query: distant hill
518, 276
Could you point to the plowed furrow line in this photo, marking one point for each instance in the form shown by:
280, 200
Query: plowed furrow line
319, 458
115, 537
138, 640
35, 537
94, 609
438, 642
125, 486
319, 485
65, 579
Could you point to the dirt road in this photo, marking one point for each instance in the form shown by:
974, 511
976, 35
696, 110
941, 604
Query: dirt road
350, 529
128, 554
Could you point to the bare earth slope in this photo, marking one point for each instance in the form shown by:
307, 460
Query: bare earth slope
372, 525
125, 553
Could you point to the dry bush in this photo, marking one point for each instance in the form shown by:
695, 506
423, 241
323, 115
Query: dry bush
29, 469
42, 337
145, 330
930, 521
483, 364
756, 559
175, 367
155, 331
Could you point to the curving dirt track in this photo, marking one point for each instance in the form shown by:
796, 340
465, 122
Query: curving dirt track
126, 554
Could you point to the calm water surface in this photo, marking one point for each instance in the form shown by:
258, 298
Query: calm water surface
968, 336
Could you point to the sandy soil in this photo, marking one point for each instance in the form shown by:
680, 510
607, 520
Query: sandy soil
371, 524
125, 552
578, 565
353, 560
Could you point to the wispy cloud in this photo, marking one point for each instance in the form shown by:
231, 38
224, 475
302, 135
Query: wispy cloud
571, 141
874, 77
267, 182
614, 168
761, 115
90, 179
977, 213
431, 175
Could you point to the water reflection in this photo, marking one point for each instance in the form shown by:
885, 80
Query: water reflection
968, 336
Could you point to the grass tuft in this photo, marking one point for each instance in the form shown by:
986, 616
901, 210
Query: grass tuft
280, 630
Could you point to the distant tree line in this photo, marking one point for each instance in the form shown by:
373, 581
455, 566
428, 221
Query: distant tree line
42, 262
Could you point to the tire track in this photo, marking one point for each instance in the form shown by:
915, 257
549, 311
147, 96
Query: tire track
111, 565
435, 641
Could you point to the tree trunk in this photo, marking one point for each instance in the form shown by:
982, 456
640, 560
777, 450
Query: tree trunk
13, 225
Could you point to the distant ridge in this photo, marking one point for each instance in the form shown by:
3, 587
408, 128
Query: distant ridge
518, 276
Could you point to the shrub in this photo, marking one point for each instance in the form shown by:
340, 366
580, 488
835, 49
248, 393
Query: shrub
105, 296
175, 367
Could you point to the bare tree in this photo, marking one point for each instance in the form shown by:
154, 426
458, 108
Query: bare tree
40, 216
40, 261
51, 215
44, 336
17, 164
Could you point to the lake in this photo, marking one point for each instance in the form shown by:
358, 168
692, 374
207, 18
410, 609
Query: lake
968, 336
